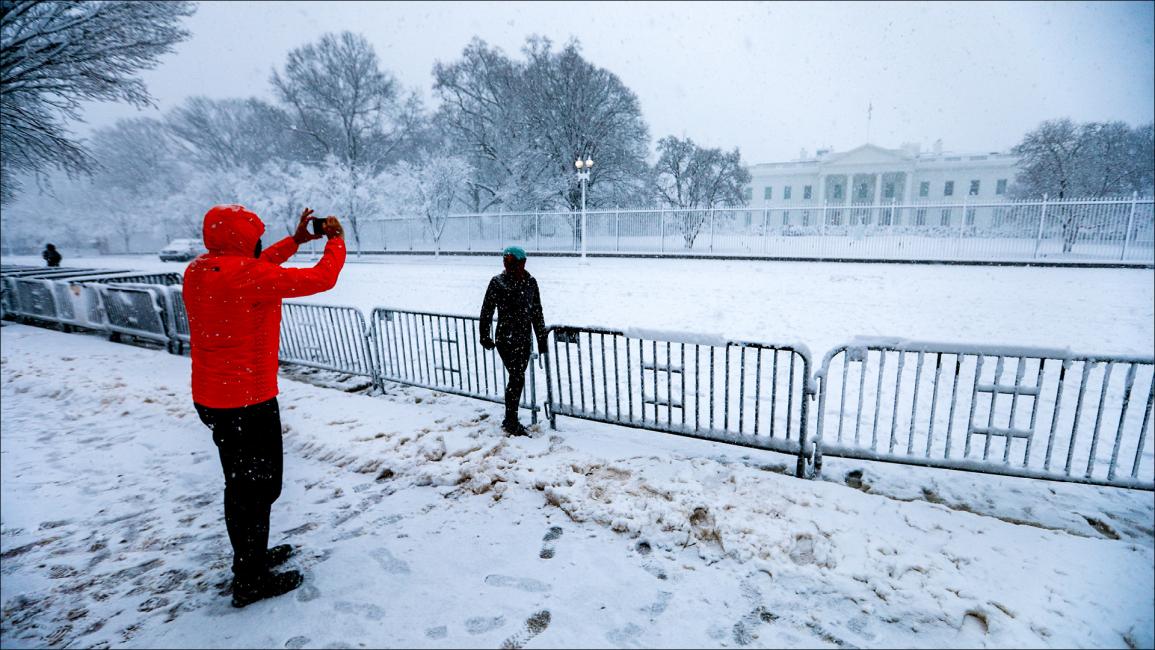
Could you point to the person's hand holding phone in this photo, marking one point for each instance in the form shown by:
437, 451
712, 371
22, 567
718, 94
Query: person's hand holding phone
303, 233
329, 226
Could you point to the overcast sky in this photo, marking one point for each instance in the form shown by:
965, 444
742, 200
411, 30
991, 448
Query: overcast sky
769, 78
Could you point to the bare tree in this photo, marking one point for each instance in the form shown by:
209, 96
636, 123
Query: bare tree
355, 112
698, 178
237, 133
482, 115
432, 189
524, 123
1065, 160
56, 55
138, 172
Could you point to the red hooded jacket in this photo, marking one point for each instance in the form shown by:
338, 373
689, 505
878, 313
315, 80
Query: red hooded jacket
233, 301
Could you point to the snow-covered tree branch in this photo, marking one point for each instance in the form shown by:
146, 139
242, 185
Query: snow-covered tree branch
55, 55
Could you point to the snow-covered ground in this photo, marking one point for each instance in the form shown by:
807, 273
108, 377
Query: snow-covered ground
1102, 311
422, 526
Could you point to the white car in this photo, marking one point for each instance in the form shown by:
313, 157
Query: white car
182, 250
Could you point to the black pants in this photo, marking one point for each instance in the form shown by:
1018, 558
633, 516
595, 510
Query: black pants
516, 360
249, 442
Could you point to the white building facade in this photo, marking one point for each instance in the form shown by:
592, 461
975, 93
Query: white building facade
935, 188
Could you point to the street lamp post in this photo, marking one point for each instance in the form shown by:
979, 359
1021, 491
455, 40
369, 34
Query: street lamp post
584, 176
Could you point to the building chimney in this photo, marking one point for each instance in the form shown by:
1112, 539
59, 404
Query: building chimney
802, 154
938, 147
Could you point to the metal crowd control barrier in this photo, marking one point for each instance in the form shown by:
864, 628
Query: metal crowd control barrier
135, 310
166, 279
177, 319
736, 392
442, 352
33, 298
78, 304
326, 337
1027, 412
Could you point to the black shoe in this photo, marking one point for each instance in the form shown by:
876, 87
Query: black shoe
247, 592
277, 555
514, 429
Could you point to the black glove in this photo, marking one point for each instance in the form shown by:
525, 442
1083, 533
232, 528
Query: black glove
487, 343
542, 344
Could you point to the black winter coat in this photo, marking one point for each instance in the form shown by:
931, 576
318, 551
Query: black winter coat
518, 305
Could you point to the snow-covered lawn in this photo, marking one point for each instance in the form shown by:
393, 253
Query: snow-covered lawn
422, 526
1102, 311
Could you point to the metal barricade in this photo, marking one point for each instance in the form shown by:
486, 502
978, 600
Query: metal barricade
178, 328
1027, 412
33, 298
442, 352
135, 310
326, 337
736, 392
78, 304
169, 278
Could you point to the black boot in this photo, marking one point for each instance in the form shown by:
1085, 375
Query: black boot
278, 554
249, 591
514, 428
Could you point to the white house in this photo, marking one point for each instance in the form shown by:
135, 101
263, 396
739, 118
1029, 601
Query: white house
874, 176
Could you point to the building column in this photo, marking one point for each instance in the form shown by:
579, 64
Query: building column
877, 197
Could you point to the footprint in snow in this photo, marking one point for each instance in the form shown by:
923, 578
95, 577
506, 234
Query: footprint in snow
524, 584
439, 632
624, 636
547, 549
534, 625
483, 624
369, 611
389, 563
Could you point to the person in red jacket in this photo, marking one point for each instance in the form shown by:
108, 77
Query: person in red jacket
233, 298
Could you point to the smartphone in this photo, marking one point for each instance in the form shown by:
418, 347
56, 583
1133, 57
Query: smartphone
317, 225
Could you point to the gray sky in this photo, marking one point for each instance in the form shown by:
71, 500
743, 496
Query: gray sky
770, 78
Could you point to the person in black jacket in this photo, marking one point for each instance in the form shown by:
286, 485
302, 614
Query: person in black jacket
515, 295
51, 255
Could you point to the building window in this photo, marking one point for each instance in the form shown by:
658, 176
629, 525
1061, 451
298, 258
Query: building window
806, 193
920, 217
785, 217
862, 191
786, 193
838, 191
970, 217
888, 190
806, 215
748, 193
768, 193
945, 221
948, 189
1001, 187
924, 188
974, 188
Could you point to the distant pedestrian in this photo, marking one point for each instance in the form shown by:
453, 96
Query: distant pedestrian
514, 294
51, 255
233, 298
